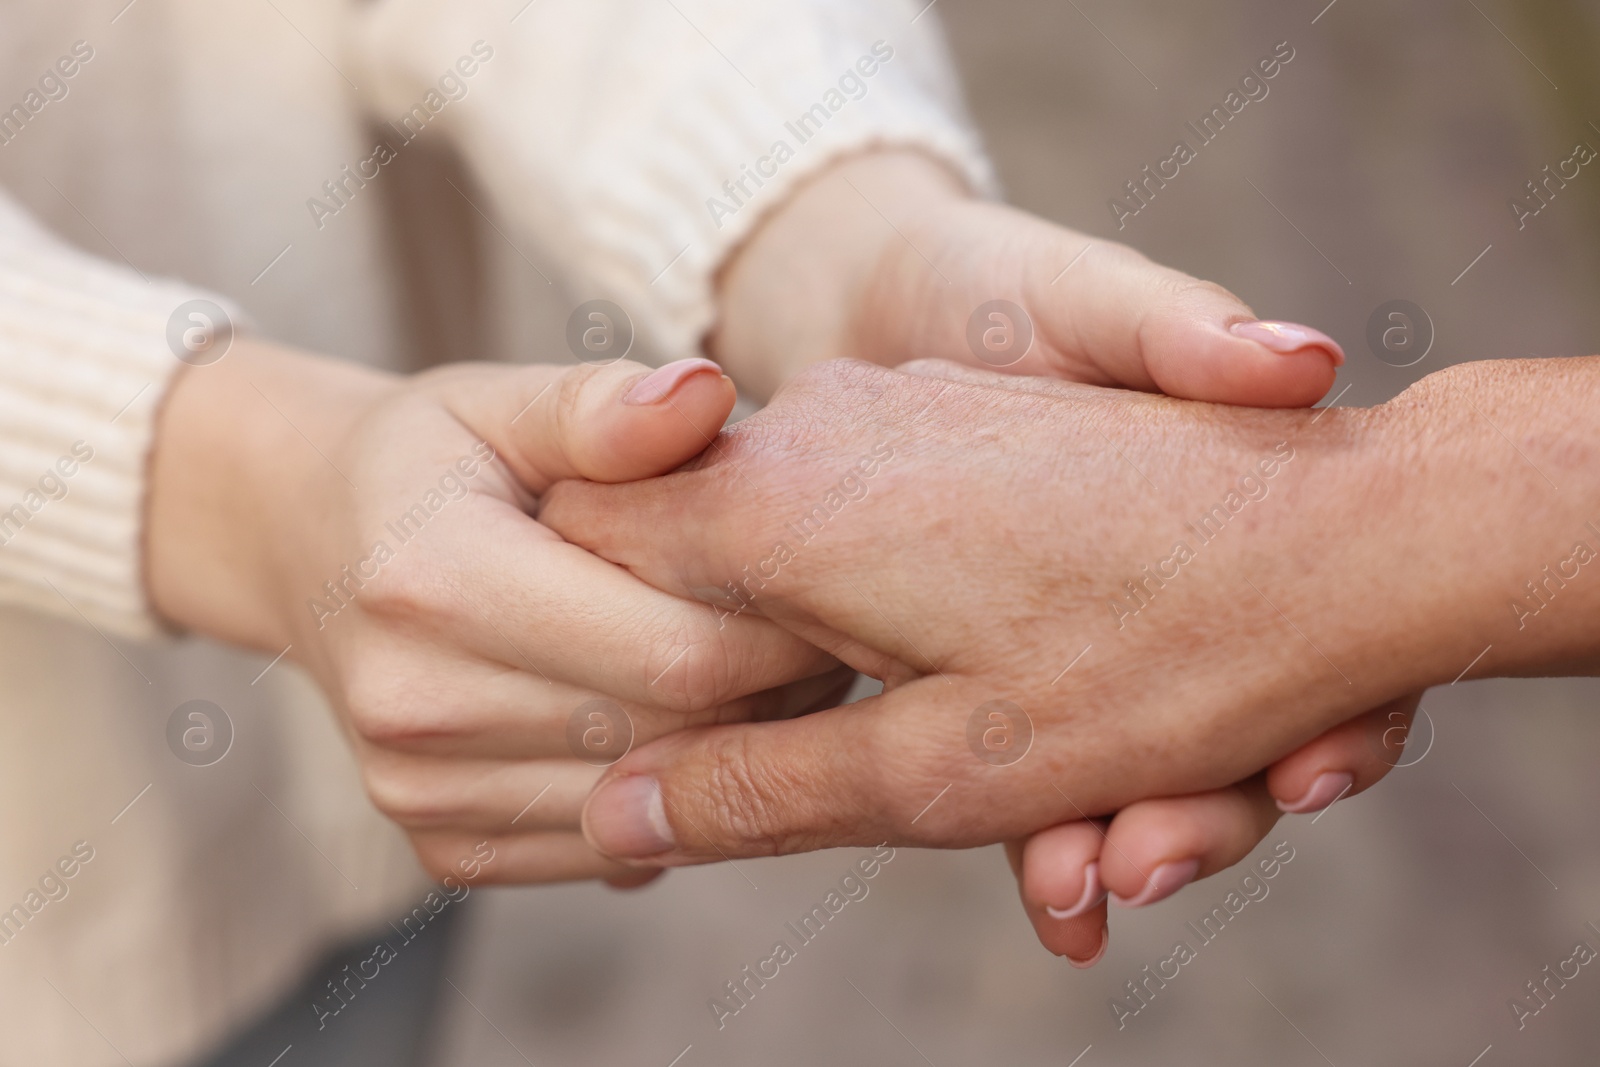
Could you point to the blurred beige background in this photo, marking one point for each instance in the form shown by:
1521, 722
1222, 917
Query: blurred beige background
1410, 915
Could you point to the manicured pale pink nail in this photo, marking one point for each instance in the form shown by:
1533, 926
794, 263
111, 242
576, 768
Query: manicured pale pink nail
1105, 942
627, 819
1329, 786
660, 383
1165, 881
1093, 894
1288, 337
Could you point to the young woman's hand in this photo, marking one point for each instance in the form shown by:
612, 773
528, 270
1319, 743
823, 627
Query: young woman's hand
1152, 848
886, 258
483, 669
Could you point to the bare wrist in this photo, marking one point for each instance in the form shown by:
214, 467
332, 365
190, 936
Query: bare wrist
240, 461
1503, 464
791, 292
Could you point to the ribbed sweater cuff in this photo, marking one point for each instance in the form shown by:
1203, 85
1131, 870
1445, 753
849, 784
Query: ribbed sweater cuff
699, 192
606, 131
84, 362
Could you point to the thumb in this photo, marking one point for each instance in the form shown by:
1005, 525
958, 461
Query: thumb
613, 423
1022, 295
862, 774
1146, 326
722, 792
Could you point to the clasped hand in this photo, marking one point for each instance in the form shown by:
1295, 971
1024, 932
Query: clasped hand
1118, 572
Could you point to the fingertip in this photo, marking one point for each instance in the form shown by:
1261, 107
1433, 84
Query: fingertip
1059, 881
1098, 954
1162, 882
655, 421
1156, 847
1061, 870
660, 385
1288, 338
1081, 940
1327, 788
1225, 368
625, 819
1347, 759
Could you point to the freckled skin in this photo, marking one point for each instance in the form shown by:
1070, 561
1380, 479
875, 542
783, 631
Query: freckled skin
981, 563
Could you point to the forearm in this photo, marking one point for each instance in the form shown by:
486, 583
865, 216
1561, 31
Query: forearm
1471, 533
1505, 458
239, 451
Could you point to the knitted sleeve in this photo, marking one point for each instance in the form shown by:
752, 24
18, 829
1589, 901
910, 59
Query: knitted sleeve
637, 142
84, 360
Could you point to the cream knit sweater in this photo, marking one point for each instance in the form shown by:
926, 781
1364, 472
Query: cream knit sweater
148, 906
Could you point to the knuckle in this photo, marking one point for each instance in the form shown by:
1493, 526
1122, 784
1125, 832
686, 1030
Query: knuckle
566, 407
386, 707
1440, 388
1180, 290
751, 803
1116, 254
398, 793
831, 378
774, 807
371, 697
405, 592
1207, 292
690, 672
910, 780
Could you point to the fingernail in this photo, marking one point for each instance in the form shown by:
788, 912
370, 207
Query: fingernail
1167, 880
1328, 787
1288, 338
1105, 942
627, 819
660, 383
1093, 894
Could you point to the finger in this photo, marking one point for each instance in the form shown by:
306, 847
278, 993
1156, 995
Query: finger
1058, 878
1344, 761
1119, 317
1101, 313
432, 793
514, 859
612, 423
730, 527
590, 623
1153, 848
439, 792
413, 697
858, 775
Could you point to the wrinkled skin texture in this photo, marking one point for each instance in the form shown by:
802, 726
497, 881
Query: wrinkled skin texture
980, 563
